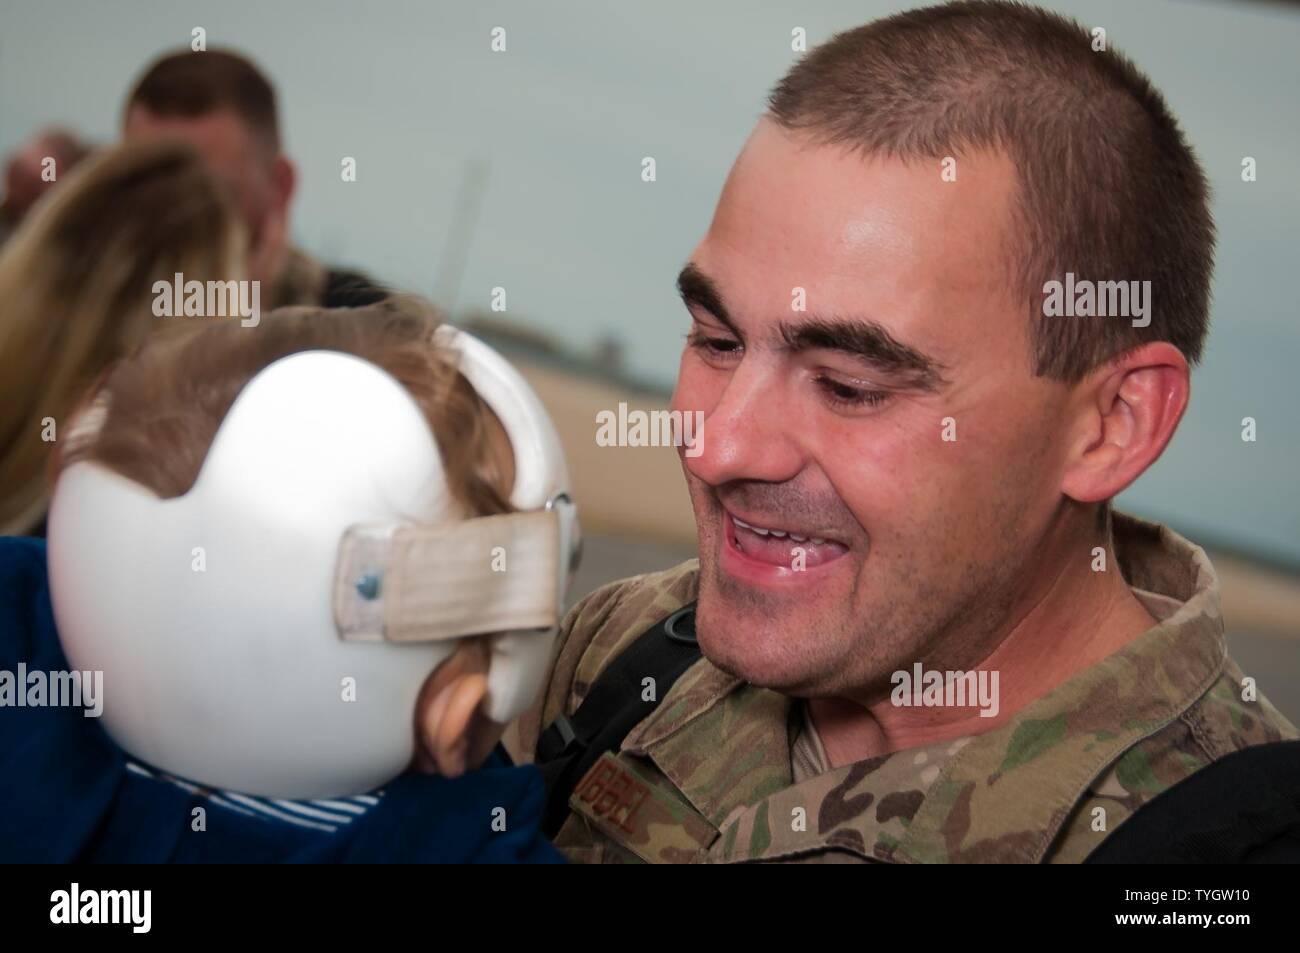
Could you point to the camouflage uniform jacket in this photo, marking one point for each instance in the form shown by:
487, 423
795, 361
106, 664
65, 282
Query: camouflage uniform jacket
707, 776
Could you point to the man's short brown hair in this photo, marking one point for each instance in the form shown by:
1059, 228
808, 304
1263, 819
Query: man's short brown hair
1109, 189
192, 84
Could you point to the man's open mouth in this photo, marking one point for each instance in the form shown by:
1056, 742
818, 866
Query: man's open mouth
769, 542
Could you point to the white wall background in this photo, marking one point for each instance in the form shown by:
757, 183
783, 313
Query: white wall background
586, 250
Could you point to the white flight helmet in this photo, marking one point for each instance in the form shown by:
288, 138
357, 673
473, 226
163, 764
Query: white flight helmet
269, 631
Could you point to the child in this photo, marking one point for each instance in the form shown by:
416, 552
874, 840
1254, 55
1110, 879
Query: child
298, 566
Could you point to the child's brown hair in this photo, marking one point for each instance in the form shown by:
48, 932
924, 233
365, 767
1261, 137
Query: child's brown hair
164, 404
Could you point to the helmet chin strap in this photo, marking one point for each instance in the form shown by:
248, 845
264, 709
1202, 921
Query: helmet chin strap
541, 490
418, 583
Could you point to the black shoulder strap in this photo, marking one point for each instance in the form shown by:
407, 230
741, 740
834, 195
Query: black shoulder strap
612, 708
350, 289
1242, 809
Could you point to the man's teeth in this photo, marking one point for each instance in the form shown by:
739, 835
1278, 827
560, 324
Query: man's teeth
778, 533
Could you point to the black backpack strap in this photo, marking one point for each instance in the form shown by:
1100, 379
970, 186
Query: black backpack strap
612, 708
350, 289
1242, 809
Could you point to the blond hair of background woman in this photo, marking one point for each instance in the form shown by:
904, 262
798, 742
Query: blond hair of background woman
76, 293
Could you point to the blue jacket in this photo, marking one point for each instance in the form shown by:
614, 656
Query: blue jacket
66, 794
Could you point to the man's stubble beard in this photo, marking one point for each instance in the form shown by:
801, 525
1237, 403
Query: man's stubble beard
950, 630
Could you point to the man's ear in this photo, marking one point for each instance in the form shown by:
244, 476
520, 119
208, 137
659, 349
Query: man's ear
1126, 413
284, 181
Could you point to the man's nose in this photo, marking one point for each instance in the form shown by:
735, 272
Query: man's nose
750, 434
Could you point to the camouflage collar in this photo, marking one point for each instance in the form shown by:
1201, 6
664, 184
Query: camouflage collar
1001, 796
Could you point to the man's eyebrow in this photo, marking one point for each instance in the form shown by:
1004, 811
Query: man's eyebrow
697, 288
868, 342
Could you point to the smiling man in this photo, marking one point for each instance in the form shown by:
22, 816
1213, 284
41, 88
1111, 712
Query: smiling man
905, 477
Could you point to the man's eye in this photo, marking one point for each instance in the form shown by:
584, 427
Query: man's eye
839, 394
715, 347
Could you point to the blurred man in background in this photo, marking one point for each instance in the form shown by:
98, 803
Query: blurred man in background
221, 103
32, 170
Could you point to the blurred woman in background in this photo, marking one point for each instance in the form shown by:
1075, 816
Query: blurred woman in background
76, 293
